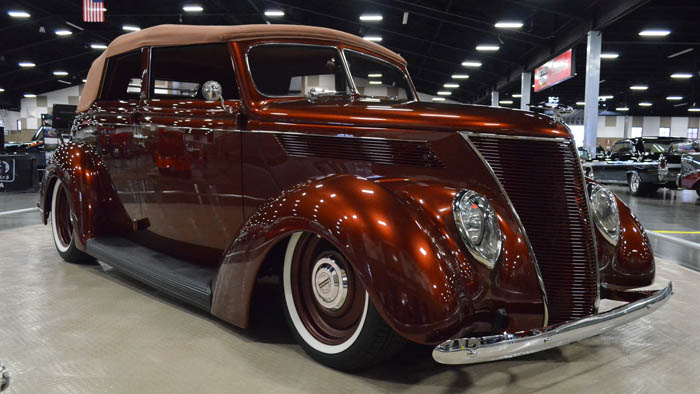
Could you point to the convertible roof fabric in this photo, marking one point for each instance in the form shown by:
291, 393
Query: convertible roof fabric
171, 35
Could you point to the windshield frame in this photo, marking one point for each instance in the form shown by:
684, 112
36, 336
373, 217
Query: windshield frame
348, 77
407, 79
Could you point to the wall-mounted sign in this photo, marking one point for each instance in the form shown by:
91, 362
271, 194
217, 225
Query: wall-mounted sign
555, 71
7, 170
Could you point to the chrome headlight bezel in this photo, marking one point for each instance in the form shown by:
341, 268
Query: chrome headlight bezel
607, 224
486, 248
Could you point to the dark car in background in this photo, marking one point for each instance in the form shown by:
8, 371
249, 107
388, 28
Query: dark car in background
635, 162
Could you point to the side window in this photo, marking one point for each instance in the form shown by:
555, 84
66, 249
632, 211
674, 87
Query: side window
621, 147
122, 79
179, 72
376, 78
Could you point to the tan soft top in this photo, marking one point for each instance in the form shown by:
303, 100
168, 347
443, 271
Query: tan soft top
168, 35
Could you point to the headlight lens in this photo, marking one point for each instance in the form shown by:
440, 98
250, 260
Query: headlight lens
478, 226
604, 211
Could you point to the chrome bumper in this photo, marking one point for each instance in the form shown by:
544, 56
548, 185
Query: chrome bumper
507, 345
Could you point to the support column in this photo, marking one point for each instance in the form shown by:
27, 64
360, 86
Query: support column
628, 127
592, 91
494, 98
525, 88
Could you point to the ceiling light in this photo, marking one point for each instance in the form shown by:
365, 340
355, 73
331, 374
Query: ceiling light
444, 93
622, 109
130, 28
374, 75
18, 14
693, 109
29, 95
639, 87
516, 95
490, 48
2, 90
674, 98
460, 76
60, 73
192, 8
471, 63
645, 104
580, 103
63, 32
603, 98
98, 46
84, 80
681, 75
375, 82
26, 64
438, 99
508, 25
274, 13
654, 33
451, 85
373, 38
609, 55
505, 102
371, 18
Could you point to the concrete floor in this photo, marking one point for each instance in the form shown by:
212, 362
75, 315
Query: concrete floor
83, 329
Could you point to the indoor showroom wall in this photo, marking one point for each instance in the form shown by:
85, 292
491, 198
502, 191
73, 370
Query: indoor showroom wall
31, 108
612, 128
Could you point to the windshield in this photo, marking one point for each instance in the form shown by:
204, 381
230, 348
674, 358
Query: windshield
375, 78
288, 70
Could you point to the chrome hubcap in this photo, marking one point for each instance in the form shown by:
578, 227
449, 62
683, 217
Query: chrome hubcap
635, 182
330, 284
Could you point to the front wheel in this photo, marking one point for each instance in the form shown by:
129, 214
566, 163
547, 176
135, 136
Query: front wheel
635, 184
328, 309
62, 227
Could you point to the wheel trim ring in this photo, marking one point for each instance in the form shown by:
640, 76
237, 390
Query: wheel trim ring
60, 218
301, 329
635, 182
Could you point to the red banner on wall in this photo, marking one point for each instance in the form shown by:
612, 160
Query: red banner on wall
555, 71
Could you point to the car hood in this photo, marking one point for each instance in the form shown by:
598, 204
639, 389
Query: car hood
414, 115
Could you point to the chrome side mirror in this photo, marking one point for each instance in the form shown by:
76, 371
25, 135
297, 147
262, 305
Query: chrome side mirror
211, 90
315, 93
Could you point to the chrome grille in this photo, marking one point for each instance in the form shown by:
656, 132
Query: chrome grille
544, 182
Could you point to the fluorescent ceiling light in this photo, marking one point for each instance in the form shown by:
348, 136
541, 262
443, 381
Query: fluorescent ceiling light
375, 82
274, 13
639, 87
60, 73
674, 98
373, 38
130, 28
609, 55
444, 93
505, 102
438, 99
654, 33
18, 14
580, 103
26, 64
84, 80
603, 98
460, 76
622, 109
693, 109
377, 75
471, 63
29, 95
98, 46
451, 85
516, 95
2, 90
645, 104
508, 25
485, 47
63, 32
681, 75
371, 18
192, 8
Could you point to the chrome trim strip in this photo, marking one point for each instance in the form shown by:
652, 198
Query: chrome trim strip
517, 219
509, 345
332, 135
514, 137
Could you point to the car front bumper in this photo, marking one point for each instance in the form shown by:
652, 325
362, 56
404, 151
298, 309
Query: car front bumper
508, 345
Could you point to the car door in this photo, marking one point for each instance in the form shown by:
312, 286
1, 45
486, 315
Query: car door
194, 149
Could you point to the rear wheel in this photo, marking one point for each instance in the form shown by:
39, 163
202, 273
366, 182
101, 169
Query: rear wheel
329, 310
635, 184
62, 227
697, 191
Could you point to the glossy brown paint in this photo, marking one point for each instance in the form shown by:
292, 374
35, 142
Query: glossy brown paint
400, 238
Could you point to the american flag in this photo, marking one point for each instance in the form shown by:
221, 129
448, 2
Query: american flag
93, 11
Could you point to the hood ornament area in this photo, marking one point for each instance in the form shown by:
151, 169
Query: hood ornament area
4, 377
556, 111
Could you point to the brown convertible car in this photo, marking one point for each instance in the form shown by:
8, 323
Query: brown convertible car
302, 152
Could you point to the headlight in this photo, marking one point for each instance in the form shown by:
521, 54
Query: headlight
604, 211
478, 226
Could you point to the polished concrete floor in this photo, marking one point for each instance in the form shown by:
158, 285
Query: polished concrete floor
86, 329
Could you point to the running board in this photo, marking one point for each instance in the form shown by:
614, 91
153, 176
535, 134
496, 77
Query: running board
186, 281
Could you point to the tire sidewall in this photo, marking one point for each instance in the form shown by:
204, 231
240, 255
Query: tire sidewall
62, 249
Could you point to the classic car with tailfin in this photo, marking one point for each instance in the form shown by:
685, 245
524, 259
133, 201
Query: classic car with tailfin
305, 153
